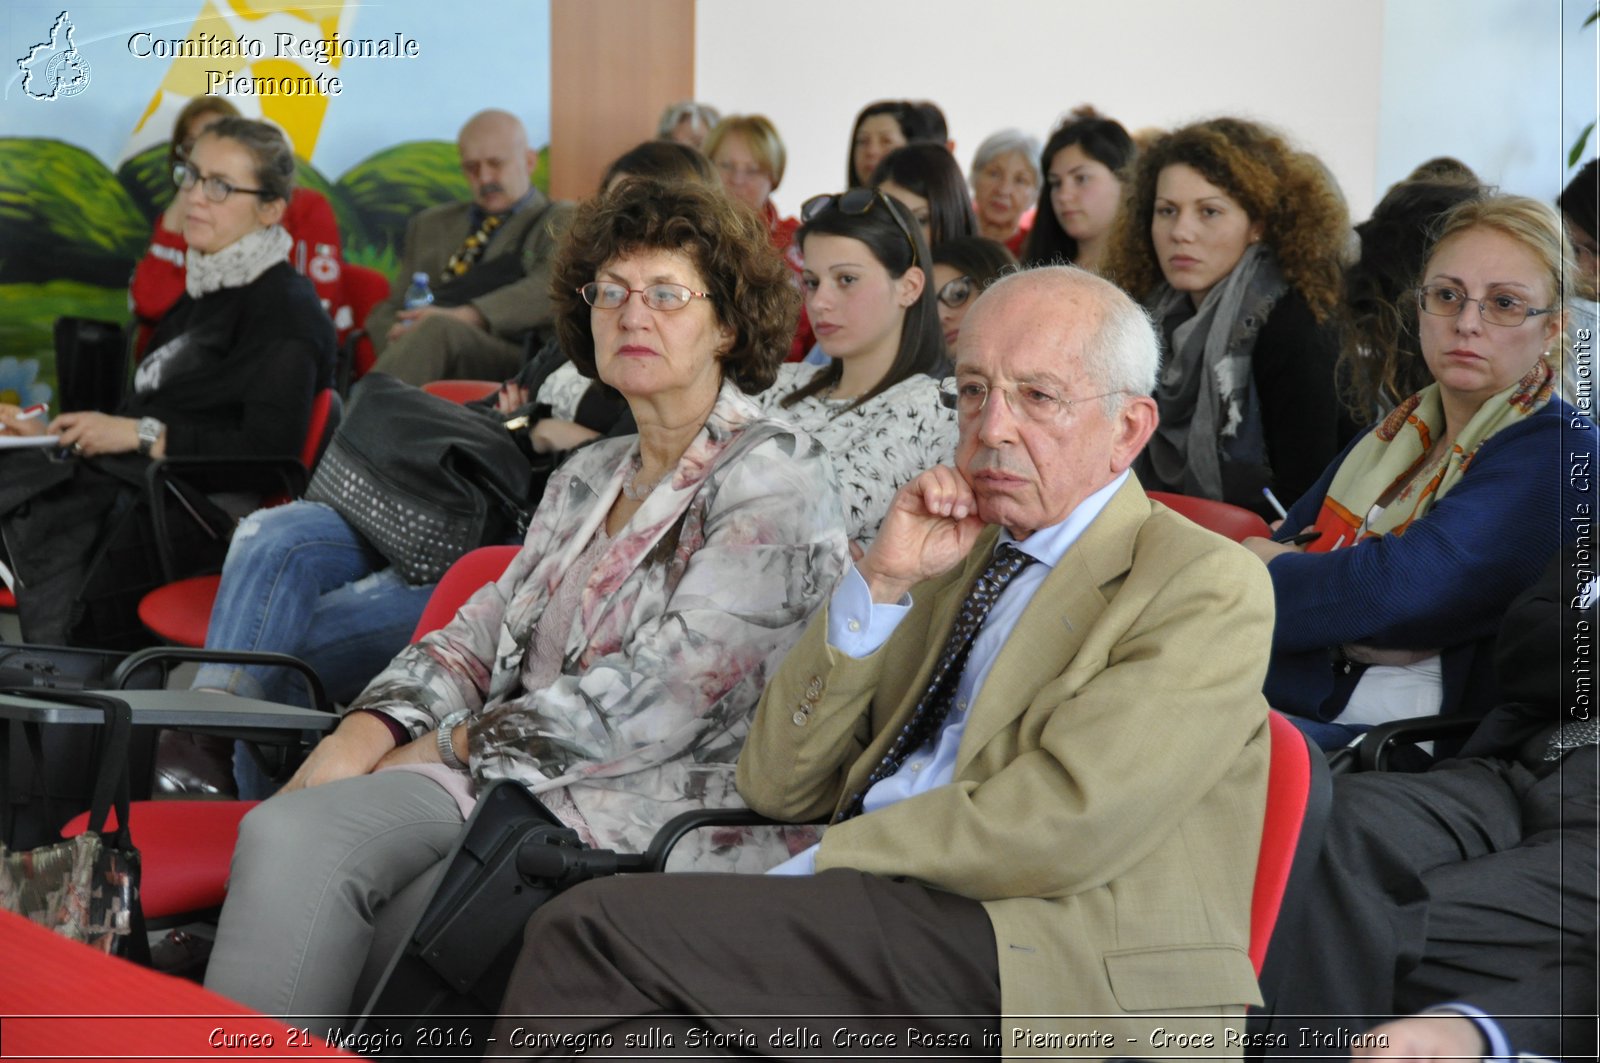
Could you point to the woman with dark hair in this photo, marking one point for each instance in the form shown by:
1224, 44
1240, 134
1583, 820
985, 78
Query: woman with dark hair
232, 371
1412, 543
661, 160
308, 218
927, 180
614, 666
963, 268
879, 129
1232, 239
1380, 362
1083, 162
875, 405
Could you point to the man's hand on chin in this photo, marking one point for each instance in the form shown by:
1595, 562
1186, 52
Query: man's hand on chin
931, 526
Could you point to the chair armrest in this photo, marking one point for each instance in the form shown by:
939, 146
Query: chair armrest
175, 654
673, 831
1377, 747
265, 475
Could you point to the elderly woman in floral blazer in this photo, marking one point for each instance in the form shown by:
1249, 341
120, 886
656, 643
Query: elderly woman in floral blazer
614, 667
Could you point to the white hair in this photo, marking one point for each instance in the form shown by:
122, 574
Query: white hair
1003, 143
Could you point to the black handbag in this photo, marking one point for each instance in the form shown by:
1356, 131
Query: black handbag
424, 480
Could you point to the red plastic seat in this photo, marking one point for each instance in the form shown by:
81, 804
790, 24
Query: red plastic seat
1224, 518
462, 391
187, 846
1298, 796
203, 831
7, 599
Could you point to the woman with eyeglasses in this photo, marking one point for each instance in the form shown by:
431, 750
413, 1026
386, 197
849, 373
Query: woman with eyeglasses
1232, 239
308, 218
927, 180
1084, 163
875, 404
749, 157
1391, 573
614, 666
232, 371
962, 268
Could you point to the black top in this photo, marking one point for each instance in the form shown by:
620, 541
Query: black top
234, 373
1293, 365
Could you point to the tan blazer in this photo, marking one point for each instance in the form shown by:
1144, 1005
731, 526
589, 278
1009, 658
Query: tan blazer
438, 232
1108, 792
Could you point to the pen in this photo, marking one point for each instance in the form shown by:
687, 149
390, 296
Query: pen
1272, 500
33, 412
1303, 538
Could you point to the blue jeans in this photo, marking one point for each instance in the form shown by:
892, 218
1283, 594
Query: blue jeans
299, 580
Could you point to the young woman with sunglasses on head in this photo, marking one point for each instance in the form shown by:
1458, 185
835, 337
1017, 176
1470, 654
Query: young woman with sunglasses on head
962, 268
875, 405
1232, 239
1426, 527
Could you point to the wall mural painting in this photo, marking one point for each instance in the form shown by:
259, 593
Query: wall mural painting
370, 97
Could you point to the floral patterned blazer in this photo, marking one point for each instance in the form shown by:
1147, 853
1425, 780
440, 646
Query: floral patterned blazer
688, 611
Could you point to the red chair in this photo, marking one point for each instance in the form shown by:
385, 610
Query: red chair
65, 1000
364, 289
462, 391
187, 846
1235, 522
179, 611
1299, 794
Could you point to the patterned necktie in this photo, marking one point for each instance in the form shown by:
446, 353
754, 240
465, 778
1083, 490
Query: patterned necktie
936, 701
1574, 734
472, 249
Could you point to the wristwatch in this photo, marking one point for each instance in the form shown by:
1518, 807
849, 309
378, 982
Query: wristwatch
149, 431
447, 745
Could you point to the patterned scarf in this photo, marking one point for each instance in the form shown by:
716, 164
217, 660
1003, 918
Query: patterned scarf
237, 264
1205, 381
1392, 455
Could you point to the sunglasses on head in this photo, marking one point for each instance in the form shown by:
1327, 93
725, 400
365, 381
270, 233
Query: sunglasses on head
857, 201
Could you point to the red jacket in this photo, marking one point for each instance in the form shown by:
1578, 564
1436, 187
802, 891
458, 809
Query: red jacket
782, 230
158, 279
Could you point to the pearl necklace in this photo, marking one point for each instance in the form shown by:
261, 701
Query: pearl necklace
632, 489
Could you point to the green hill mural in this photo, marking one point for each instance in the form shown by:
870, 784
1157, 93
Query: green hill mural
74, 230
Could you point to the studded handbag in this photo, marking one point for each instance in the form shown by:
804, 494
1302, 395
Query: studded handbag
423, 479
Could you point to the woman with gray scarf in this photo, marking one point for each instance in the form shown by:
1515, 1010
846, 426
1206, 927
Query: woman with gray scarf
1232, 240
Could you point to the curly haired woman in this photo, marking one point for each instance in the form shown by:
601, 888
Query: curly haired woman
1232, 239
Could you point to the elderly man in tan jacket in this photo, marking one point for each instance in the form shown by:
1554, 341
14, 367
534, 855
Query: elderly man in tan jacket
1031, 713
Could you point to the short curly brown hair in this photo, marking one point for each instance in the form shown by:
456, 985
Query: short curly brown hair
752, 290
1290, 192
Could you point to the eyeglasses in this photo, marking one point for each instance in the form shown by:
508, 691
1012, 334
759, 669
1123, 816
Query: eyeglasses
956, 292
1442, 300
735, 172
857, 201
668, 297
1029, 402
216, 188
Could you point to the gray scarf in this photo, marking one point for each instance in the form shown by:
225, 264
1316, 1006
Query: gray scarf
237, 264
1205, 381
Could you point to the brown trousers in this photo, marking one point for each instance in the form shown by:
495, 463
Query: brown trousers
840, 964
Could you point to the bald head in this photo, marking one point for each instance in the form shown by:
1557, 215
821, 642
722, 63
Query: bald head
1116, 345
496, 159
1064, 363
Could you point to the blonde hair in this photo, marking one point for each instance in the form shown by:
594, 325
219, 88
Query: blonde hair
759, 134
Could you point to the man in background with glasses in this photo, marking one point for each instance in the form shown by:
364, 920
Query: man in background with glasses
1032, 716
487, 264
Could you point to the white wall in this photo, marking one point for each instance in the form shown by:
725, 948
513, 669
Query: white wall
1371, 86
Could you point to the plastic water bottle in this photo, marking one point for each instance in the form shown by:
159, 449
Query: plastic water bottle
418, 294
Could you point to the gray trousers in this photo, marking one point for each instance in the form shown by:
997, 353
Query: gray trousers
301, 935
442, 348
